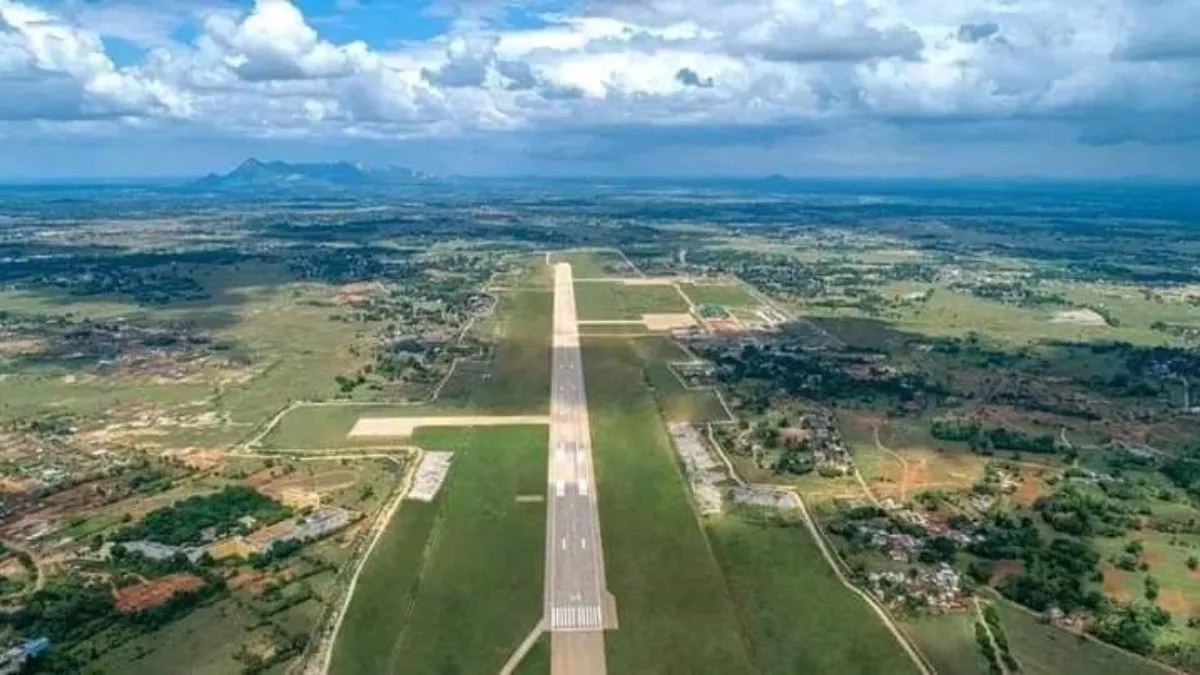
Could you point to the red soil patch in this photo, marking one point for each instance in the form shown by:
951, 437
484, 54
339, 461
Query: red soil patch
1028, 491
140, 597
1176, 602
1114, 585
1004, 569
916, 473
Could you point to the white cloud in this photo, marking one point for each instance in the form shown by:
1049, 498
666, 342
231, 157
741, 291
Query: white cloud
273, 42
50, 69
635, 64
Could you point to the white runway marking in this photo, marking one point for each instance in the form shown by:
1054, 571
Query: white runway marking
578, 617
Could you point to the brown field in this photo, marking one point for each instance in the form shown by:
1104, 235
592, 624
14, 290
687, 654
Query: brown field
357, 292
725, 326
328, 481
1031, 487
899, 473
20, 346
204, 460
1175, 601
143, 596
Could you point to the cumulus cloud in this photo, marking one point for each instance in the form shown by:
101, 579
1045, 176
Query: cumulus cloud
273, 42
51, 70
836, 41
765, 66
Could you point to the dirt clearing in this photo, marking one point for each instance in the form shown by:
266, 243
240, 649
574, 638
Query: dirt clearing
403, 427
668, 321
1079, 317
137, 598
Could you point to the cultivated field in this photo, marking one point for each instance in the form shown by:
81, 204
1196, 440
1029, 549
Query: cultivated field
467, 564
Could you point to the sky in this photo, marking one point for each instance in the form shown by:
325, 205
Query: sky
915, 88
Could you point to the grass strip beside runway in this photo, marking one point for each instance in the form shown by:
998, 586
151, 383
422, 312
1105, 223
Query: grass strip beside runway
674, 612
455, 585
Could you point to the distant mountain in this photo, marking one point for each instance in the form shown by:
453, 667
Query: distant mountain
257, 174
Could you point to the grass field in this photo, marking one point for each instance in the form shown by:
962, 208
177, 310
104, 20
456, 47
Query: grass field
1042, 649
674, 610
594, 264
948, 313
281, 325
516, 381
948, 641
894, 469
598, 301
678, 403
455, 585
798, 617
733, 296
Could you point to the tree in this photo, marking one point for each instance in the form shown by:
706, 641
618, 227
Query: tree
1193, 563
1151, 588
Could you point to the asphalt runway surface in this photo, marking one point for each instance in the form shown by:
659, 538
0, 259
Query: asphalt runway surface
577, 601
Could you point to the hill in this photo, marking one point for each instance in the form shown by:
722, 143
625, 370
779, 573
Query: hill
254, 173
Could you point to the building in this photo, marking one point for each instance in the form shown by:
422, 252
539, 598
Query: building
13, 659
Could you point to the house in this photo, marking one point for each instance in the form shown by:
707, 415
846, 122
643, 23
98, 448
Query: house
900, 547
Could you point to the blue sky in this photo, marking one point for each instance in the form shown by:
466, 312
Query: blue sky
1063, 88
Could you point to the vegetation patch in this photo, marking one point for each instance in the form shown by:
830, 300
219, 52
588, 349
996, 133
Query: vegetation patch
206, 517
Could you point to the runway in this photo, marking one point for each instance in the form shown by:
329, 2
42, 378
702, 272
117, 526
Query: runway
578, 606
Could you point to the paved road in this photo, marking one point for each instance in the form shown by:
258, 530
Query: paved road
577, 601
